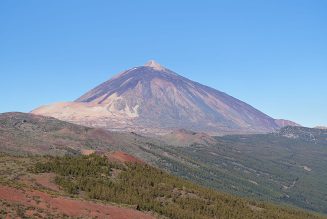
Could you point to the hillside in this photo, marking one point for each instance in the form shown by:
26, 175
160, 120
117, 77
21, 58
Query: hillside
93, 186
287, 166
27, 194
313, 135
28, 134
284, 167
153, 99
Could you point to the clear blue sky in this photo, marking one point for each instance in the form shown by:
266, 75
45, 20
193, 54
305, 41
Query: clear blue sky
271, 54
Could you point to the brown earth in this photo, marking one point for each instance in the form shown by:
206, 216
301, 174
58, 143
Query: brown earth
183, 137
66, 206
123, 157
47, 180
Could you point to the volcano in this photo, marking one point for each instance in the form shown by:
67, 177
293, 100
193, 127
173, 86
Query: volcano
153, 99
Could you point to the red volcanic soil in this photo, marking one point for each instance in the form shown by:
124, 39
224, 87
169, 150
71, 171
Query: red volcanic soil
123, 157
67, 206
47, 180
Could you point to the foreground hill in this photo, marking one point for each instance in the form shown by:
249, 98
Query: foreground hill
93, 186
154, 99
284, 167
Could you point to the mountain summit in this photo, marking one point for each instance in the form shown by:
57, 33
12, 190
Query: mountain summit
153, 64
154, 99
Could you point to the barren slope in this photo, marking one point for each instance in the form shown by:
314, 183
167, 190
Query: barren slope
154, 99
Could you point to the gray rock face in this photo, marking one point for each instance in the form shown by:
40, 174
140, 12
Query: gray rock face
154, 99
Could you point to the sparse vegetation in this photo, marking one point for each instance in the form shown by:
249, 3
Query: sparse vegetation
286, 168
150, 189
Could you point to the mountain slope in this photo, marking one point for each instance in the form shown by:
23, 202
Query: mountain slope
28, 134
154, 99
95, 187
288, 166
